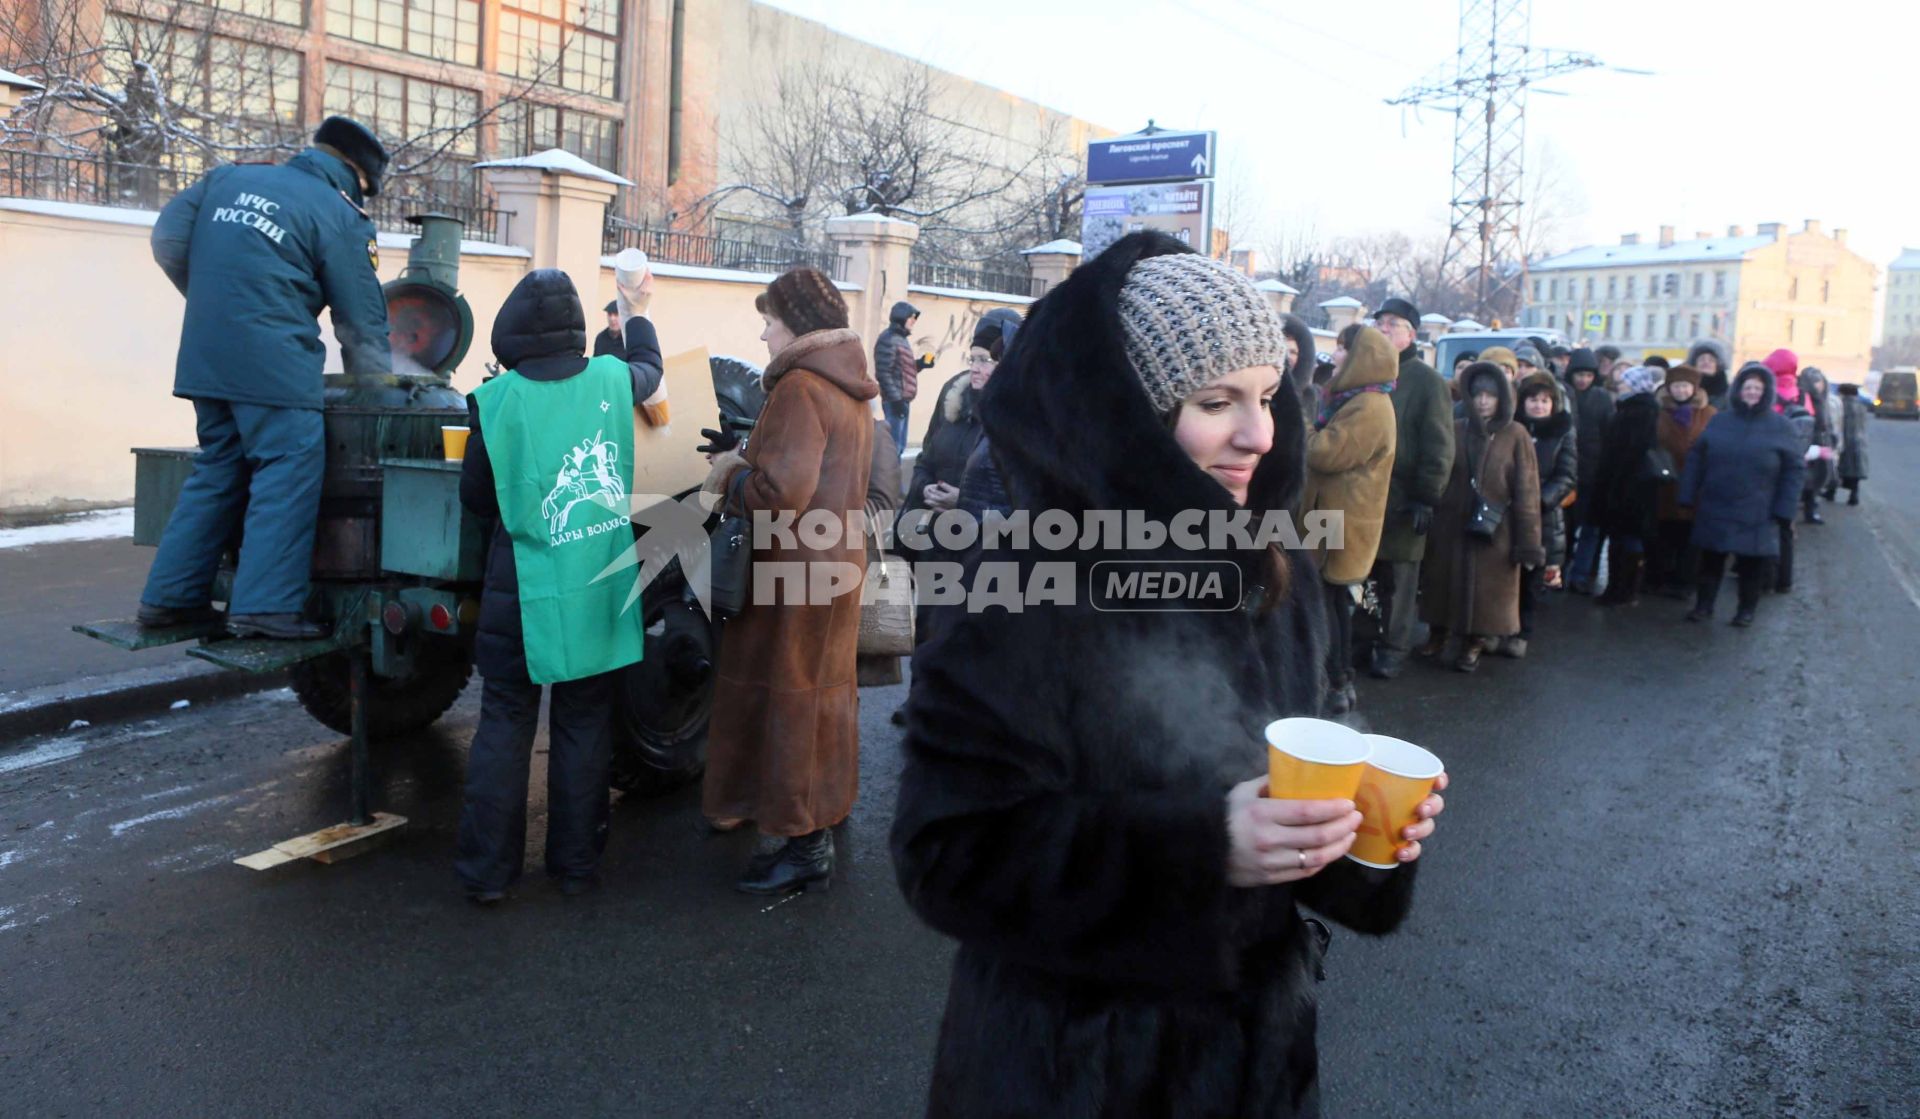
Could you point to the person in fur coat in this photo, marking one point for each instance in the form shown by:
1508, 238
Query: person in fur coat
1081, 803
1556, 448
1853, 441
1470, 589
1349, 465
1626, 499
1684, 414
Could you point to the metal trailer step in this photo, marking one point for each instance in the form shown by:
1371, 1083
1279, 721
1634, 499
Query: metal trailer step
263, 654
125, 633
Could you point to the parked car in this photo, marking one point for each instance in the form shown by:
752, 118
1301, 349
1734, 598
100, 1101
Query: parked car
1447, 347
1896, 395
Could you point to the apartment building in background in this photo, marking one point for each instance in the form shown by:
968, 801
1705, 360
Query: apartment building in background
1754, 291
1901, 319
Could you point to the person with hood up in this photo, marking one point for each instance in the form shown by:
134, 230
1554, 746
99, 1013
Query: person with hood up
981, 489
1302, 357
1422, 463
1081, 802
1684, 414
258, 251
1471, 592
1853, 441
1785, 366
1742, 482
1592, 408
546, 619
784, 748
1817, 397
1543, 412
1626, 497
897, 368
1349, 468
1709, 358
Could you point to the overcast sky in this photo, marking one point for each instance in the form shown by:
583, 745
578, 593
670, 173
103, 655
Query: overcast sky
1755, 113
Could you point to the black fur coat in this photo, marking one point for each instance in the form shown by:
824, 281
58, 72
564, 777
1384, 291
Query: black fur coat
1062, 812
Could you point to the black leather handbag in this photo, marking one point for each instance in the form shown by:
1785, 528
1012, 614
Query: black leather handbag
1657, 466
729, 566
1484, 521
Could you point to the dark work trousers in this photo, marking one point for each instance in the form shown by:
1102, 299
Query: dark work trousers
1399, 594
896, 412
1783, 571
1339, 634
258, 466
1754, 573
493, 821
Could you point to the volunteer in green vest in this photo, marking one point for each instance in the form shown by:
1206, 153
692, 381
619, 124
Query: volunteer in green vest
550, 460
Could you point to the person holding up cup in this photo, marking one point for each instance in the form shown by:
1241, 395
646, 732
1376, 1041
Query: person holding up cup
1082, 805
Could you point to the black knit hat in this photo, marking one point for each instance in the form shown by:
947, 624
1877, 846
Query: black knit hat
357, 145
1583, 360
805, 300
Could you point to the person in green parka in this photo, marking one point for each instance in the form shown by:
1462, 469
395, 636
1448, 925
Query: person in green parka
1422, 463
548, 463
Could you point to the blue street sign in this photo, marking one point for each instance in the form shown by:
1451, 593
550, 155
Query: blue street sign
1159, 158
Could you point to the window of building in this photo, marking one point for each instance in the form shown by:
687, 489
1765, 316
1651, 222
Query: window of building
1554, 288
1672, 285
1630, 280
1793, 288
1693, 326
1719, 324
241, 97
1789, 330
1653, 324
1699, 284
406, 111
1626, 328
1826, 290
1673, 326
1538, 287
567, 44
1719, 283
1613, 286
1823, 335
279, 11
1589, 287
526, 128
443, 29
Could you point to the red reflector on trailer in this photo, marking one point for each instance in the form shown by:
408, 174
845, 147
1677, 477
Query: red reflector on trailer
441, 617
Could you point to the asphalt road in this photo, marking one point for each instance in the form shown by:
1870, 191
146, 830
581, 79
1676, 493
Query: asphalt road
1672, 881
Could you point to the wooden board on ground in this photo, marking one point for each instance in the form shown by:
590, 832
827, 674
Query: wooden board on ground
328, 845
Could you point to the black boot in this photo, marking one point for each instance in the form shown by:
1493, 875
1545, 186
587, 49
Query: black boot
1706, 593
1753, 583
803, 862
1624, 573
1810, 504
166, 617
278, 627
1853, 495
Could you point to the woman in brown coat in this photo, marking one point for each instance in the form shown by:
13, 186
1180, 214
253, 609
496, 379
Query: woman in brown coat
784, 749
1470, 585
1349, 463
1684, 413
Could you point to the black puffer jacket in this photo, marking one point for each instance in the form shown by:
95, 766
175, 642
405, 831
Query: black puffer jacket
1556, 448
540, 334
1061, 813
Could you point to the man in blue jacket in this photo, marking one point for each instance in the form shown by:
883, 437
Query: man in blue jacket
258, 250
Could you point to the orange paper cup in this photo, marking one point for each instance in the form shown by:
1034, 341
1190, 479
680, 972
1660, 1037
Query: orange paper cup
1398, 776
454, 439
1313, 759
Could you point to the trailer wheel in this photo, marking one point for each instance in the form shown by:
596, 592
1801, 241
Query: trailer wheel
666, 700
400, 706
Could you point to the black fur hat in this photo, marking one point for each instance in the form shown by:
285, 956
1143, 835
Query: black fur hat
358, 145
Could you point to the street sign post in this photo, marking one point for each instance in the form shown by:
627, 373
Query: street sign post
1155, 157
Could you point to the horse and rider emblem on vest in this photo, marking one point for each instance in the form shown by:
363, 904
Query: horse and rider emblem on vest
589, 473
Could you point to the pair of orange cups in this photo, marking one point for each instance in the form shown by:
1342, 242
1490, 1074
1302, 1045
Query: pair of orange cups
1386, 778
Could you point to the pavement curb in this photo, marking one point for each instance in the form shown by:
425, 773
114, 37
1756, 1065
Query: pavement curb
123, 695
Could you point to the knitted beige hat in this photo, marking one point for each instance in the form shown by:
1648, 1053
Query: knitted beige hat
1186, 320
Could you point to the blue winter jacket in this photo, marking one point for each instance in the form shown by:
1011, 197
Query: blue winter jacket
1743, 475
258, 251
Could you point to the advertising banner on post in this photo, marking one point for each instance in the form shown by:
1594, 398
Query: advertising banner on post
1108, 213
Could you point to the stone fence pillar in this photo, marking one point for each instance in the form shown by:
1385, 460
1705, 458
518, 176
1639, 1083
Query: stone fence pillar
1342, 312
1050, 263
1279, 293
878, 250
556, 206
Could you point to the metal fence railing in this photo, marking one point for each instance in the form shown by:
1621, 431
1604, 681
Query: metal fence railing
98, 180
672, 247
981, 277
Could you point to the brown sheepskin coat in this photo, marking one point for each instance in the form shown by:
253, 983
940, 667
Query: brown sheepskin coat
784, 749
1678, 441
1350, 461
1470, 586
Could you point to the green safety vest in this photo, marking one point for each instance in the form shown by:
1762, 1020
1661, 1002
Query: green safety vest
562, 455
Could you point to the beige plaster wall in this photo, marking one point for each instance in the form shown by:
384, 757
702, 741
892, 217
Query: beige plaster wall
1835, 288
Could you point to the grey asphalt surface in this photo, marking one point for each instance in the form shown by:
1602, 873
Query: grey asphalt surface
46, 588
1673, 880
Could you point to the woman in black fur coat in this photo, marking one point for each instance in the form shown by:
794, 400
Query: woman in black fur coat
1081, 806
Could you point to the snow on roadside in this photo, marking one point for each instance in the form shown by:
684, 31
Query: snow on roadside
101, 524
